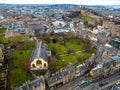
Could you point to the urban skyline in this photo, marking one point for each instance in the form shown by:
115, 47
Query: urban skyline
78, 2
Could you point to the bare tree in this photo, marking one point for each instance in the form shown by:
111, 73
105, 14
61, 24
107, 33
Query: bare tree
87, 45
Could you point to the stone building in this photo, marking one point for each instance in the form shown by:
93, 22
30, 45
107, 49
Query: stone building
61, 77
37, 84
40, 56
1, 56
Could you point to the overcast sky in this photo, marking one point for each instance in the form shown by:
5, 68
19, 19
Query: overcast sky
85, 2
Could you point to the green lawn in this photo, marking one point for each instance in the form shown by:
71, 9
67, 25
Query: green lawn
17, 38
58, 64
19, 73
39, 72
87, 18
78, 58
60, 49
76, 45
26, 45
2, 30
81, 59
71, 58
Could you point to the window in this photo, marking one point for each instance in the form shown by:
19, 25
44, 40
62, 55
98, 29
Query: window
33, 65
44, 64
39, 62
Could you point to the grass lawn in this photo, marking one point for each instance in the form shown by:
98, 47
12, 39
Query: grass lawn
75, 44
65, 60
81, 59
60, 49
19, 74
26, 45
88, 18
17, 38
71, 58
2, 30
39, 72
58, 64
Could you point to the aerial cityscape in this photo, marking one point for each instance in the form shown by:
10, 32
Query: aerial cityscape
60, 45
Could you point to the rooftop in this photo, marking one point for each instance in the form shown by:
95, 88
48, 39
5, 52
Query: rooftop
117, 58
41, 50
106, 63
38, 82
97, 69
60, 74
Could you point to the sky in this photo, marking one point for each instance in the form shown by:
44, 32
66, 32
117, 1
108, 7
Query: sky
81, 2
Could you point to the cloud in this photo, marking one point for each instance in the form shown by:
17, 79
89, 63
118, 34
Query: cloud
85, 2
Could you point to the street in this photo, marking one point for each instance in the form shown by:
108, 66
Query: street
95, 86
74, 85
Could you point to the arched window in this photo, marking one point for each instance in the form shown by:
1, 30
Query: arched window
39, 62
45, 65
33, 65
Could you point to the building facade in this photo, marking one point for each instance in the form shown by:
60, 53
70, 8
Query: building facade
1, 56
37, 84
40, 56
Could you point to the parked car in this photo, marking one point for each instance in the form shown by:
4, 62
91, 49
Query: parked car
109, 87
118, 83
103, 84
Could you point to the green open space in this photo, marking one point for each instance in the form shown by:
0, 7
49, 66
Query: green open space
81, 59
60, 49
76, 57
87, 18
75, 44
21, 56
2, 30
11, 39
71, 57
19, 72
39, 72
58, 64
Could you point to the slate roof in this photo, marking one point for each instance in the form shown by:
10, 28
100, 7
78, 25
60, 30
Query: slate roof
117, 58
38, 82
41, 50
37, 28
97, 69
1, 46
106, 63
60, 75
55, 78
81, 68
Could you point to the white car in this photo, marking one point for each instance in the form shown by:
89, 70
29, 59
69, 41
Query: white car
118, 83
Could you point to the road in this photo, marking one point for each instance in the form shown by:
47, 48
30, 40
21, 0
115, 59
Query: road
74, 85
95, 86
70, 85
111, 82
